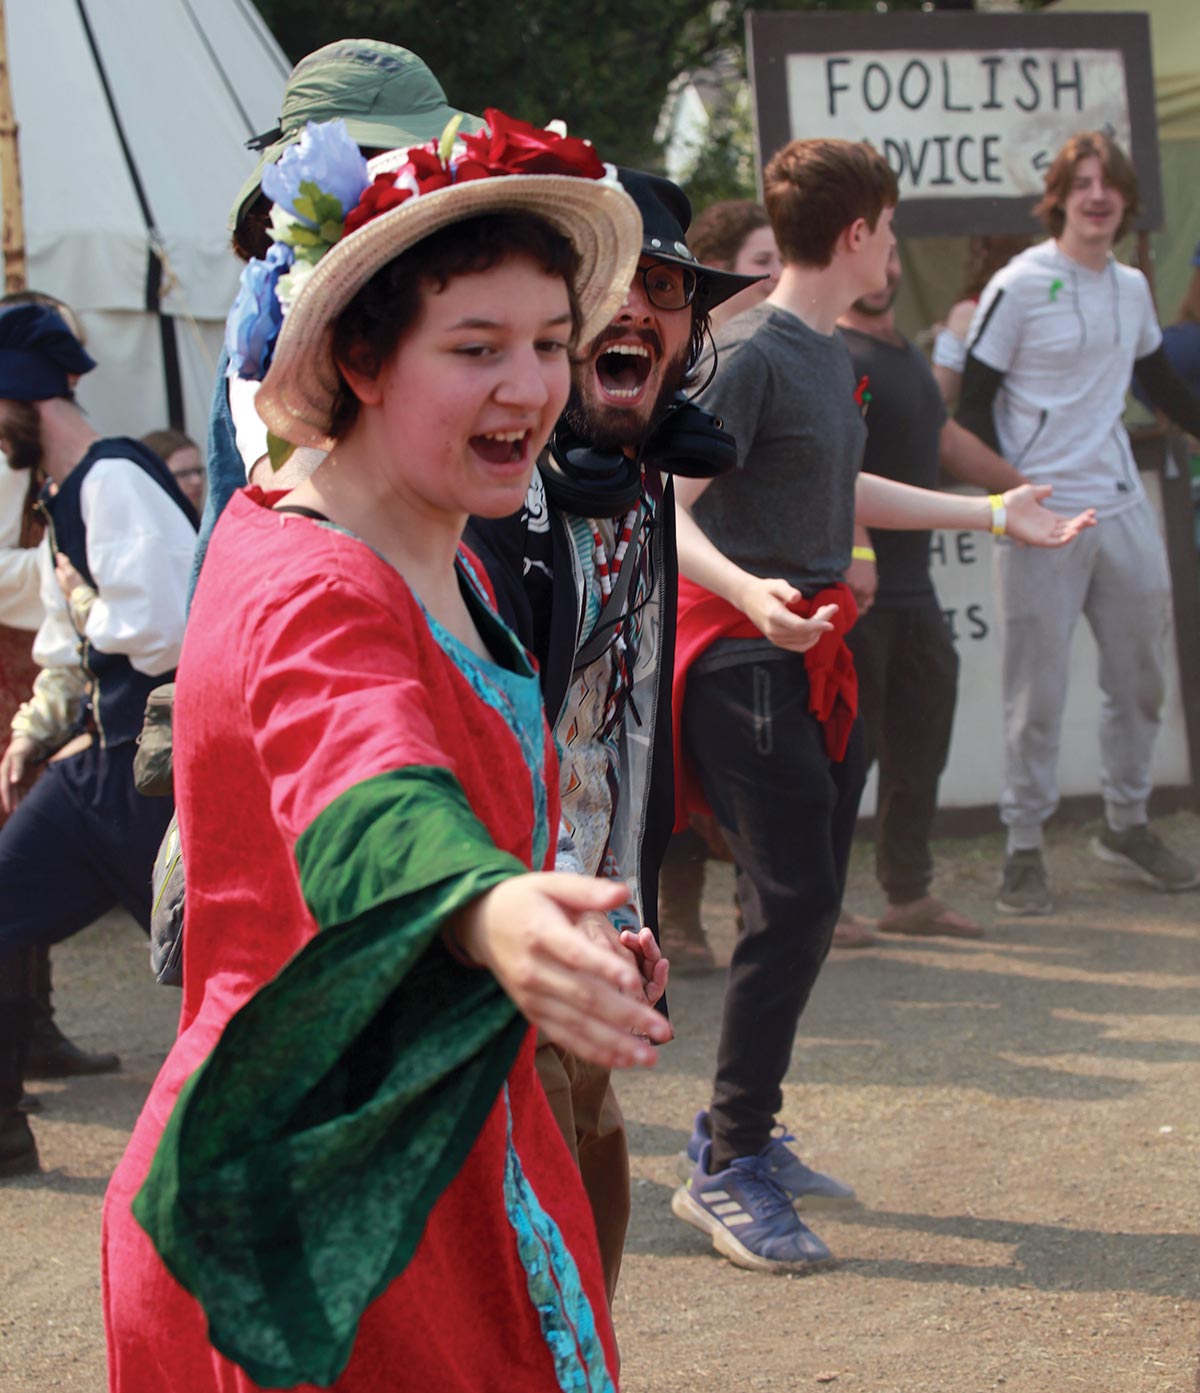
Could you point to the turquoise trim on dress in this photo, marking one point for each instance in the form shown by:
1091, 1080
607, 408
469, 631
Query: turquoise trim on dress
516, 696
568, 1324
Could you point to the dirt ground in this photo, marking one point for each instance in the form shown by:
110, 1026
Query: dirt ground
1020, 1116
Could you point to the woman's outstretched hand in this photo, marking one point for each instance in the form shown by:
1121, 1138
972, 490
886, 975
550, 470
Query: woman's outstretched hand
1029, 522
583, 994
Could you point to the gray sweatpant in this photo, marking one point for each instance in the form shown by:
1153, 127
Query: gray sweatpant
1116, 575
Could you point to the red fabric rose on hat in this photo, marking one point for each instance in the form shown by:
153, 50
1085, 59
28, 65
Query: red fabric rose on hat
426, 166
509, 146
380, 195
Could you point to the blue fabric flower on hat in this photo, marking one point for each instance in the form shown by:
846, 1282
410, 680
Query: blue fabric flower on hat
324, 166
253, 323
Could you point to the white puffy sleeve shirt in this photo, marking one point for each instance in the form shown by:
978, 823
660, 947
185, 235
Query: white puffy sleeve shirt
139, 551
20, 605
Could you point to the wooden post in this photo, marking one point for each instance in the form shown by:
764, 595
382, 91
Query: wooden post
1145, 260
13, 237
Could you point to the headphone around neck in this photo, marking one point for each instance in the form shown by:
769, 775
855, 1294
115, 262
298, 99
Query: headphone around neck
600, 483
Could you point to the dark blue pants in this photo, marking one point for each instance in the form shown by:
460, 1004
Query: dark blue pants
82, 841
788, 812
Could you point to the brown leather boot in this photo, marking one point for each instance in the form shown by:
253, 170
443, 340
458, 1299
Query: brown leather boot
18, 1150
51, 1054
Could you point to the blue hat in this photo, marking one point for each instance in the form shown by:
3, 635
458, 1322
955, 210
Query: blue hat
37, 353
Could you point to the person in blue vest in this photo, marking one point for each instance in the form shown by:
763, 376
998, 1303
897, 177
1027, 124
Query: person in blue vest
115, 564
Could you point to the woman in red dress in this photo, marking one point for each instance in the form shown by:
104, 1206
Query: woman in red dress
346, 1174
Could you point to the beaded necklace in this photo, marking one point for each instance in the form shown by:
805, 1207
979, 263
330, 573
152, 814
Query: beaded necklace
607, 576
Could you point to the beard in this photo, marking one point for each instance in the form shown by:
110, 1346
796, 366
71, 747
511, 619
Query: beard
611, 427
21, 436
874, 310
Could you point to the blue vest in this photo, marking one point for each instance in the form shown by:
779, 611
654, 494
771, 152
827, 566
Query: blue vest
117, 690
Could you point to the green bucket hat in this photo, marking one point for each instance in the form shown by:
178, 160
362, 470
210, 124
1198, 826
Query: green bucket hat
386, 95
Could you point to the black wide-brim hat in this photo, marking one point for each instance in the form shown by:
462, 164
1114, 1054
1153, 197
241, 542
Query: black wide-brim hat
666, 216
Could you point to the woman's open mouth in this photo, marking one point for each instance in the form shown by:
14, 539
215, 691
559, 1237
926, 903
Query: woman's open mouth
622, 371
501, 446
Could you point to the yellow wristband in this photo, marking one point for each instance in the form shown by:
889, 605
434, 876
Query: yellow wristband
999, 514
863, 553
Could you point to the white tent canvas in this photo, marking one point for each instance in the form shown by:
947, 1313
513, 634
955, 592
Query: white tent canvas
133, 117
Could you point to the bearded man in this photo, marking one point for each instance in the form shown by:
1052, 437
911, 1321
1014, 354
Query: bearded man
585, 574
121, 536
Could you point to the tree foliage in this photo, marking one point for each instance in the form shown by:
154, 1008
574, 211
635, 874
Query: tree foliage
604, 69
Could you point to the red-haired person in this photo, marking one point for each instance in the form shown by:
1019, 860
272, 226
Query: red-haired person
1057, 335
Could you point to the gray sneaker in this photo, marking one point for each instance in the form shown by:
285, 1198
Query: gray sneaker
1147, 856
1023, 889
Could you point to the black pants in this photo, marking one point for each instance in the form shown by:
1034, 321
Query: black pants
788, 813
907, 685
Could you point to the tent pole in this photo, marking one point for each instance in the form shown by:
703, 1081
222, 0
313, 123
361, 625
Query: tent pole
1145, 261
10, 176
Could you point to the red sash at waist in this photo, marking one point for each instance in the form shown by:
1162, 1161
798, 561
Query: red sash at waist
833, 684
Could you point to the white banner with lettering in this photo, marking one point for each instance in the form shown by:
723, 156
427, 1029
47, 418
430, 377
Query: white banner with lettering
971, 123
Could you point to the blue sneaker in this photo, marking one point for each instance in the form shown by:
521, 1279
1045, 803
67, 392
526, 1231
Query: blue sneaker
749, 1217
811, 1190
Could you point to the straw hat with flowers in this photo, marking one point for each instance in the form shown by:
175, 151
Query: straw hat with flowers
337, 220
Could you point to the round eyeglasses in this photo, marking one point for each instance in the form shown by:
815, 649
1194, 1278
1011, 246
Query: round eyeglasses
669, 287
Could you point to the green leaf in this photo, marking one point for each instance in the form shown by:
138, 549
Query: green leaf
278, 451
446, 145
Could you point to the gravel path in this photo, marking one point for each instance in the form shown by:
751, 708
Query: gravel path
1021, 1117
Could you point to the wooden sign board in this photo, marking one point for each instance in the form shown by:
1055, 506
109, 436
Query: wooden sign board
968, 109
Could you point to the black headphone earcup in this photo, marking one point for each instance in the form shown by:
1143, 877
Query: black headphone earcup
691, 442
591, 483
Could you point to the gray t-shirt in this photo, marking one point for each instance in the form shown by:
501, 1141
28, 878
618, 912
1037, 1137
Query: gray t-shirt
786, 393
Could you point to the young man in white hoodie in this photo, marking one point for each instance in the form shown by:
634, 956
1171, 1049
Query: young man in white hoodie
1057, 335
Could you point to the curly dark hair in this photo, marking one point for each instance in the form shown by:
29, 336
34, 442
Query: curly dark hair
368, 331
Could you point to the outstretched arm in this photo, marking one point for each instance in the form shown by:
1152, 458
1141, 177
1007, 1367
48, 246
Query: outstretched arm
885, 503
585, 997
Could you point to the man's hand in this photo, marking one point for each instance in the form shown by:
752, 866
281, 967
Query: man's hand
586, 997
67, 576
768, 606
863, 579
654, 968
14, 767
1027, 521
640, 948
